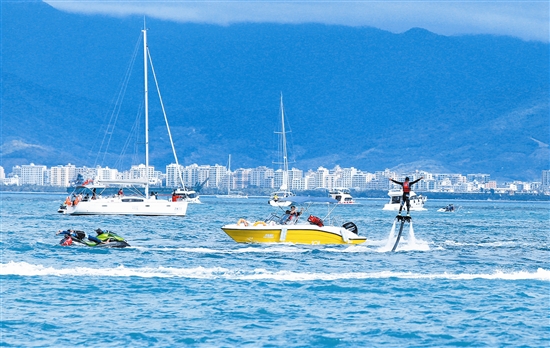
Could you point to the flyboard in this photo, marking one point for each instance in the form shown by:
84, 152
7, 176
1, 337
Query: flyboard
403, 220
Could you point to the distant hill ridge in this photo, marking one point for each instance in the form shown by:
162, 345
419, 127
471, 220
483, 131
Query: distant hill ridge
358, 97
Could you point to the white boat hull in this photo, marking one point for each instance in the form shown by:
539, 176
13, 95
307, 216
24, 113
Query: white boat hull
278, 203
342, 195
416, 201
127, 205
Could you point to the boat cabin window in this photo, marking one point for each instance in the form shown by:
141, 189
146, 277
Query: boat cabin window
132, 200
396, 199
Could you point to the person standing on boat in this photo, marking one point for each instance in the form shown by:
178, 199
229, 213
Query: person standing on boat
406, 192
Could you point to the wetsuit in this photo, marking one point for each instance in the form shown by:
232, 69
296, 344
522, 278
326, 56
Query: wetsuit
406, 192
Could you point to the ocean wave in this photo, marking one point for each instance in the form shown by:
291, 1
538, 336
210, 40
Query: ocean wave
27, 269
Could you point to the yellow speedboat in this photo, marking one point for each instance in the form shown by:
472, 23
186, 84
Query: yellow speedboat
296, 229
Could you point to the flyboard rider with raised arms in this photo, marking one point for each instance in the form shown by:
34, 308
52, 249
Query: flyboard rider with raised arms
406, 192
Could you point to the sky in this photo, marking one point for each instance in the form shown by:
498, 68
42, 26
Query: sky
528, 20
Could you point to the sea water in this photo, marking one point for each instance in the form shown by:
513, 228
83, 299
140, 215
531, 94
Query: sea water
476, 277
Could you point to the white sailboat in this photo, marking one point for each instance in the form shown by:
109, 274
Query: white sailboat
277, 199
229, 194
90, 198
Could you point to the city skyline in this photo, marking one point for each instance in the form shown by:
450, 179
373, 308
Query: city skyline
216, 176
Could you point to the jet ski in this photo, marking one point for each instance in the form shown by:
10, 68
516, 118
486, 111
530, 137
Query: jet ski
104, 239
448, 209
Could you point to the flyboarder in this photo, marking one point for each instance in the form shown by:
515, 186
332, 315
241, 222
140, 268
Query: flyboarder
406, 192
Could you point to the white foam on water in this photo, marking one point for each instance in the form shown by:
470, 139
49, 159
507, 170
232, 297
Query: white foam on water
26, 269
405, 244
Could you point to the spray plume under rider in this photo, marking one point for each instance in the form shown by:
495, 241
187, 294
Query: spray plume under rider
406, 192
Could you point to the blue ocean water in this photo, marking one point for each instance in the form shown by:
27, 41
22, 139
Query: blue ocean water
478, 277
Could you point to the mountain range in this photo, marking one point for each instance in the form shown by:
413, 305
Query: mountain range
353, 96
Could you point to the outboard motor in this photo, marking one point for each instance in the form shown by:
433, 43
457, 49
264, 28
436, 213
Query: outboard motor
350, 226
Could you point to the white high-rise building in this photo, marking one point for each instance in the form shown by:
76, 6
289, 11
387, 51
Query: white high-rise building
142, 172
260, 176
321, 177
173, 173
546, 180
32, 174
217, 176
62, 175
106, 173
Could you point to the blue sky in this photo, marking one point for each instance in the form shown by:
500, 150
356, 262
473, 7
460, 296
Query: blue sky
528, 20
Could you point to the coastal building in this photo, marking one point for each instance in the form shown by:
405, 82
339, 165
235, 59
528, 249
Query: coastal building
240, 178
262, 177
173, 172
32, 174
545, 183
85, 173
105, 174
62, 175
218, 177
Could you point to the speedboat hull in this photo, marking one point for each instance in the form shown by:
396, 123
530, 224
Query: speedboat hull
260, 232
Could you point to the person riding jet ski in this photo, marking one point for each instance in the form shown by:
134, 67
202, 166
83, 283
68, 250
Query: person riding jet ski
105, 239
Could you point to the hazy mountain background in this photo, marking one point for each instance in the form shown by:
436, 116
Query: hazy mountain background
358, 97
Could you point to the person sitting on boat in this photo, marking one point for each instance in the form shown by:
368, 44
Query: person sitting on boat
292, 215
450, 207
275, 198
406, 192
68, 201
120, 192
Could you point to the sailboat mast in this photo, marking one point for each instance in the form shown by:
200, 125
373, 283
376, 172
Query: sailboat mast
146, 101
284, 186
229, 176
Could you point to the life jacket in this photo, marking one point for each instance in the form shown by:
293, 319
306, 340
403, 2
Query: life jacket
315, 220
67, 241
406, 187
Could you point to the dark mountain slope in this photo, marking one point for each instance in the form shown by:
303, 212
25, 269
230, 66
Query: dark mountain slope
353, 96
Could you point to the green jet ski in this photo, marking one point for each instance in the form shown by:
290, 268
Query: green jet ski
104, 239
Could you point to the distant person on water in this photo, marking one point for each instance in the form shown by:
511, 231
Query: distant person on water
406, 192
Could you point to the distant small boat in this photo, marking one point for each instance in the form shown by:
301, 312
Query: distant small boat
448, 209
186, 194
342, 195
417, 201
